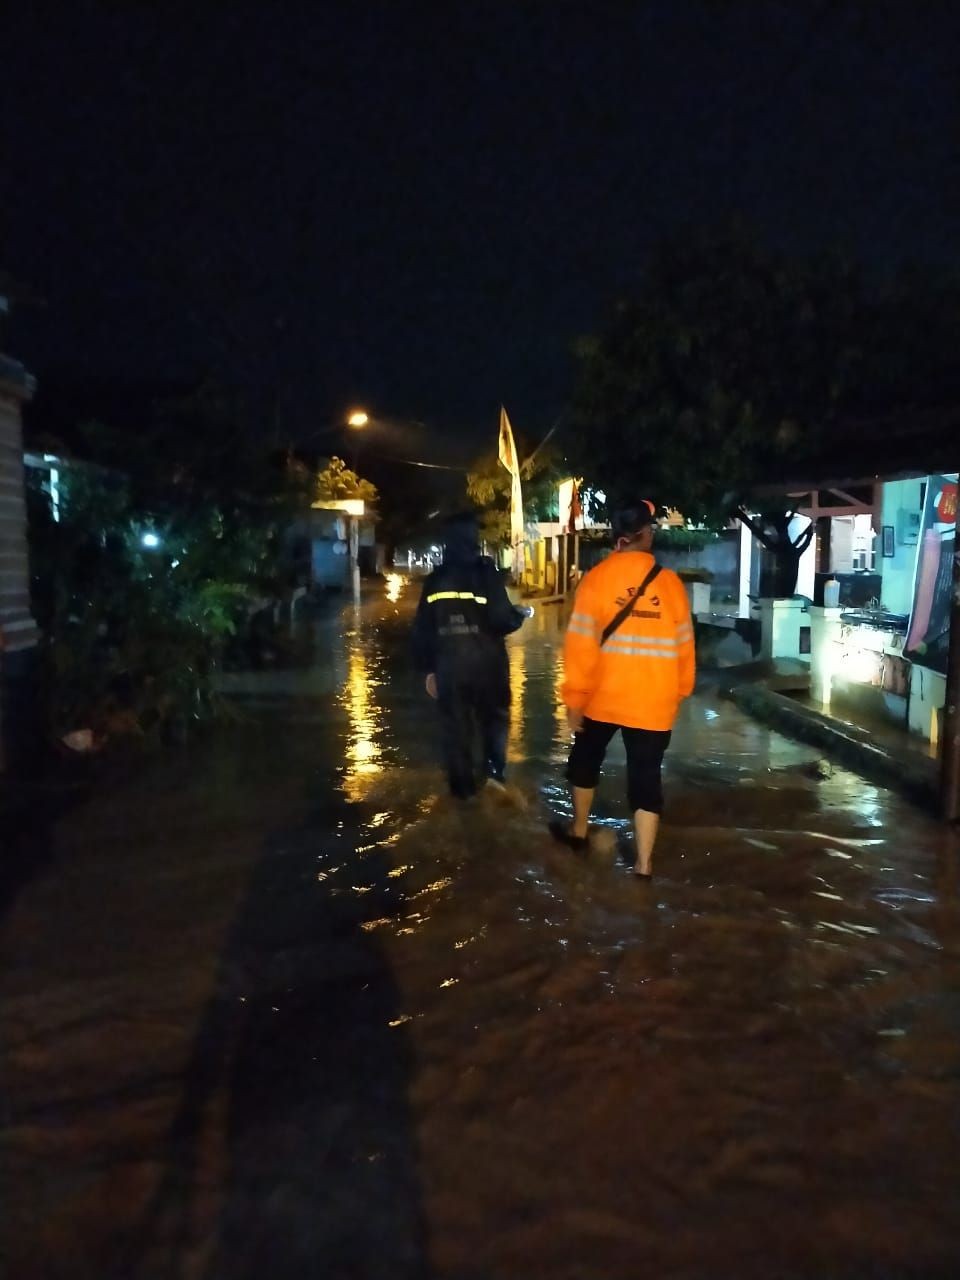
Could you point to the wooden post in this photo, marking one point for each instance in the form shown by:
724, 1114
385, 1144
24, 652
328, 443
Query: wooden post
950, 750
19, 723
824, 530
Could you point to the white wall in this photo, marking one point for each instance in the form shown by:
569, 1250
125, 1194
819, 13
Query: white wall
928, 695
863, 542
898, 572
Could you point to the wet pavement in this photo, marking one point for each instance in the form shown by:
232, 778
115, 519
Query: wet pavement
277, 1008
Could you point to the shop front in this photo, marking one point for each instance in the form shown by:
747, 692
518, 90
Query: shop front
881, 654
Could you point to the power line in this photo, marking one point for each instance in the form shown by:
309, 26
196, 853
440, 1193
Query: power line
413, 462
529, 460
433, 466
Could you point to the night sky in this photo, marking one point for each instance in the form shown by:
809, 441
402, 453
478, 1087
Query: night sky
418, 208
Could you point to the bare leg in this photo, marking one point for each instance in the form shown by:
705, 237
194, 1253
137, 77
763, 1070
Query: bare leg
645, 824
582, 804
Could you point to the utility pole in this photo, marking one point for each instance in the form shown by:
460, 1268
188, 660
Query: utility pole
354, 532
950, 758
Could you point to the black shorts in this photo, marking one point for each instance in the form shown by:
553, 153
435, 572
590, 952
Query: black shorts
645, 750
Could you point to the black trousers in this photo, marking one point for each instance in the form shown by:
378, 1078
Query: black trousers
645, 750
472, 706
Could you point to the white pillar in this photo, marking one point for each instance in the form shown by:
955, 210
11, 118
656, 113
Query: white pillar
824, 651
746, 557
780, 628
698, 595
807, 568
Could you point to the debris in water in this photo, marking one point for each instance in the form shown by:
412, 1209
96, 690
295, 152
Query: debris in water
818, 769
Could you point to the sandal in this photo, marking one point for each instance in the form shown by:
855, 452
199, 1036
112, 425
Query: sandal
562, 833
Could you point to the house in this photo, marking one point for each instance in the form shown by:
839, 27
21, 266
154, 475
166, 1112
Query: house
557, 549
884, 504
331, 540
18, 631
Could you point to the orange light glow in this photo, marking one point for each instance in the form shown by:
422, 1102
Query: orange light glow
363, 747
518, 687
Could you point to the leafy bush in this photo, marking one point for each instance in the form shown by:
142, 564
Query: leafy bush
157, 559
337, 481
676, 538
132, 633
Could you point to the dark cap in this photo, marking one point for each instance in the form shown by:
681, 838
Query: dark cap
630, 520
462, 524
461, 536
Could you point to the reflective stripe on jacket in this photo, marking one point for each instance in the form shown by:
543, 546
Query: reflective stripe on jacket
639, 677
463, 615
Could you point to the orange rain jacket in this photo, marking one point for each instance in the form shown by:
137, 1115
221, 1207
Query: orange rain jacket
647, 667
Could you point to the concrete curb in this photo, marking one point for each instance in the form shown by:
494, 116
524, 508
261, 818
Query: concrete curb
912, 776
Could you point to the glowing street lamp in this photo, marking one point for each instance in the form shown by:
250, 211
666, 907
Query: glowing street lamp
358, 419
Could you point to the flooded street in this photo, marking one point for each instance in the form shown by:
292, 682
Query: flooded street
277, 1008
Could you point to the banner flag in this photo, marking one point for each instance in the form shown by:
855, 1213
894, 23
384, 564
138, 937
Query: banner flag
508, 450
509, 459
576, 509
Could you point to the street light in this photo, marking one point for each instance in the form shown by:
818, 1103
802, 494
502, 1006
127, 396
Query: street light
358, 419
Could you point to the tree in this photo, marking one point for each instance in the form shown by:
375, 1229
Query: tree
336, 482
160, 552
489, 484
730, 366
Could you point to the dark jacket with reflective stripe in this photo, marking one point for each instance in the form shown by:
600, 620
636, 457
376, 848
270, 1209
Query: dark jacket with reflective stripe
463, 616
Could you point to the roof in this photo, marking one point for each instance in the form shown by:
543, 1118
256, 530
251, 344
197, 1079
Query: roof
14, 378
895, 446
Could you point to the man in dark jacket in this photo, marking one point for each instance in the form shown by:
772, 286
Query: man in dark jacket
462, 619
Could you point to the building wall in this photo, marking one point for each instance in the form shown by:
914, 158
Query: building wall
327, 534
721, 558
928, 696
898, 571
330, 569
18, 632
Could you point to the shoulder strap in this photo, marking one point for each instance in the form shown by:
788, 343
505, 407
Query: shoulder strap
624, 613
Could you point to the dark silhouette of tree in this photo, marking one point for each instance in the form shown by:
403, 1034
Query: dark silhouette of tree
729, 366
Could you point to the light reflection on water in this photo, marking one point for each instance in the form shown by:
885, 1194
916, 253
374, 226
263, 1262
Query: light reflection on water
517, 654
774, 982
395, 583
559, 709
365, 719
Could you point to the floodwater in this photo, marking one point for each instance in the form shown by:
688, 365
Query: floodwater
278, 1008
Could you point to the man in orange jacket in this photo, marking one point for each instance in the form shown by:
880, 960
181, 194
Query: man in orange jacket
629, 662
